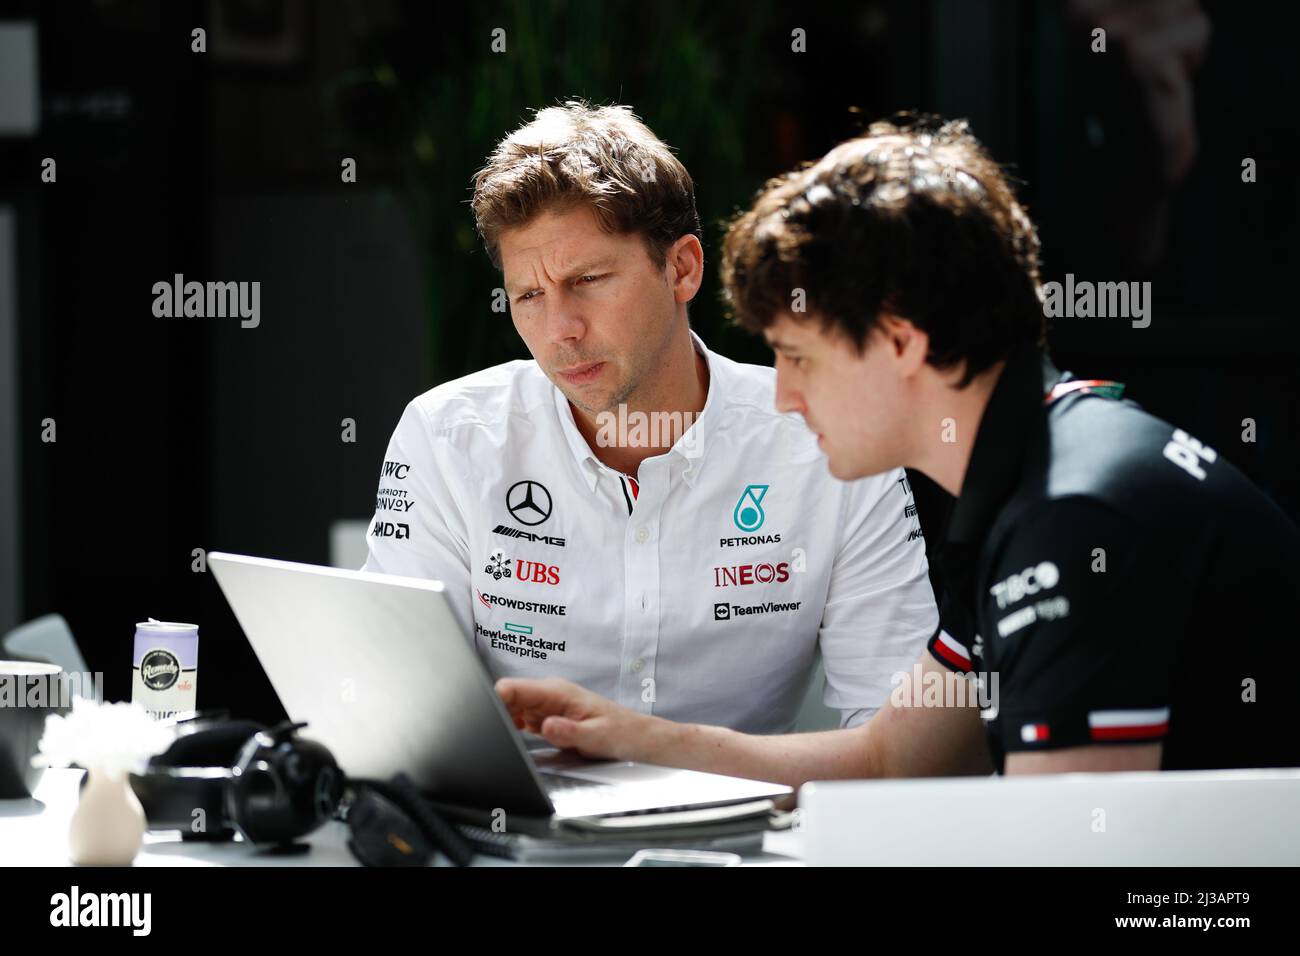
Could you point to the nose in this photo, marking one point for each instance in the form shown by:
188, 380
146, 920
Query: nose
564, 321
788, 396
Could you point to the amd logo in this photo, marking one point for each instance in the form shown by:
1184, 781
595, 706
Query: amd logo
387, 529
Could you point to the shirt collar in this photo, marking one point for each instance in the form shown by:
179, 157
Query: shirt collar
690, 446
1011, 437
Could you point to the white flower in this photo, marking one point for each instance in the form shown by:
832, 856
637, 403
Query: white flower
117, 737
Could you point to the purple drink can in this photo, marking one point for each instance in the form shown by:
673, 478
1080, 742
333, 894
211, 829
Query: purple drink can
165, 674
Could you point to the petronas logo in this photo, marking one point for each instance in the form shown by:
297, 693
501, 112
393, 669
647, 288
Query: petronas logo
749, 509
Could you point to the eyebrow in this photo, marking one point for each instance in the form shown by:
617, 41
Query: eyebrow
585, 268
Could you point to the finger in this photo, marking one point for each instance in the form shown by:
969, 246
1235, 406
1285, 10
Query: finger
523, 693
544, 697
562, 732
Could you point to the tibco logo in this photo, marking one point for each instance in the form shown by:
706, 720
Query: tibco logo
1042, 577
751, 574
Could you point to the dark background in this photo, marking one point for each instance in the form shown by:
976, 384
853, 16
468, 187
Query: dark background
176, 434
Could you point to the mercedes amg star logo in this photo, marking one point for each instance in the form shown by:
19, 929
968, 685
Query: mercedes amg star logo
529, 502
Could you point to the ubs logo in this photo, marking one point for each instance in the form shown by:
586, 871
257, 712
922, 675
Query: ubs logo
498, 565
528, 502
159, 669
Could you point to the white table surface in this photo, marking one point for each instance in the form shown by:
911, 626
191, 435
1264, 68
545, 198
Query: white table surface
34, 832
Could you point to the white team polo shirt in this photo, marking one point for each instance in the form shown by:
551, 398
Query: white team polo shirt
698, 590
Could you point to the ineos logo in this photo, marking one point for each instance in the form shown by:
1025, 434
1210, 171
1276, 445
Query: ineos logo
529, 502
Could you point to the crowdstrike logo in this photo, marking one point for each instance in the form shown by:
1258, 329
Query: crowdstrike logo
490, 601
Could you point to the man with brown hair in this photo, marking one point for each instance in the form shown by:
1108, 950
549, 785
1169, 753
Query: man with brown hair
1114, 585
628, 510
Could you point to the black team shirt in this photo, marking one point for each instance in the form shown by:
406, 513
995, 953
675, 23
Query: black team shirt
1123, 582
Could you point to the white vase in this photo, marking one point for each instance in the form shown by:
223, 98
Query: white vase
108, 825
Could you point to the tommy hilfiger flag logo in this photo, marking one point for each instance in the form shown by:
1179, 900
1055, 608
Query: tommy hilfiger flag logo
952, 651
1128, 724
1035, 733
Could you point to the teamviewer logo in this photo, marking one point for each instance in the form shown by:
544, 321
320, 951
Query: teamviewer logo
722, 612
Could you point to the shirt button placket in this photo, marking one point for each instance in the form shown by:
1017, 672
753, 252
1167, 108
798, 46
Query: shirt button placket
641, 623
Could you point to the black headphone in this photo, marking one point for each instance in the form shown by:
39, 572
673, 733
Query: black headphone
221, 777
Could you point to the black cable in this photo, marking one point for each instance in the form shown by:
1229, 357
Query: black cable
402, 791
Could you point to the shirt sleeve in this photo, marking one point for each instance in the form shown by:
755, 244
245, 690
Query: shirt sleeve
953, 640
419, 529
1080, 612
880, 607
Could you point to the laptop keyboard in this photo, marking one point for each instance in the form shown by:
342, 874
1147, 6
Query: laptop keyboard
562, 783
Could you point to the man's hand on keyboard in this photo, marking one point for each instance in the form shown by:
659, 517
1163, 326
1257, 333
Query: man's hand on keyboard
574, 718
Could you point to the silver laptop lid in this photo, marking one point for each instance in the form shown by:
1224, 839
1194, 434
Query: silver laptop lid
367, 661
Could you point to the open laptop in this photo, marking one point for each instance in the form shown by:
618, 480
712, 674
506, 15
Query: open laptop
381, 672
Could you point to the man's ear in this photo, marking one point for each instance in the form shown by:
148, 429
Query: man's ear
685, 267
907, 344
